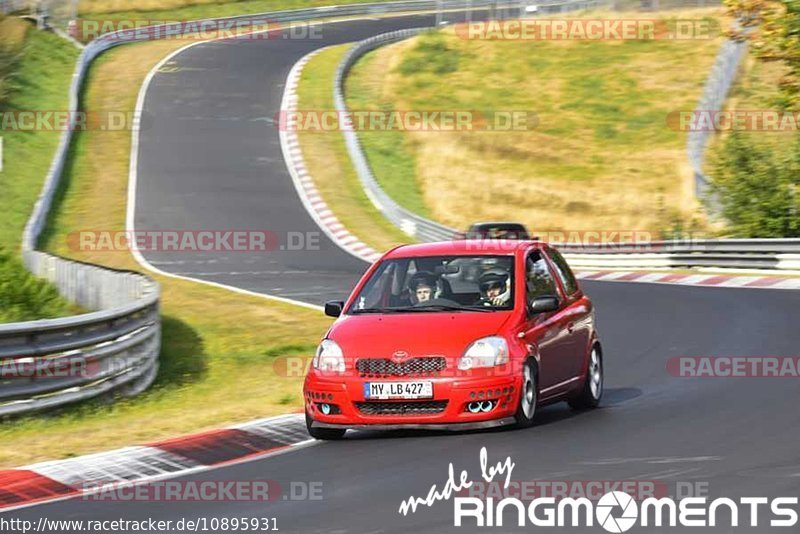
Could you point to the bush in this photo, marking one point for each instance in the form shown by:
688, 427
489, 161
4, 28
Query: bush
432, 54
757, 185
9, 59
23, 297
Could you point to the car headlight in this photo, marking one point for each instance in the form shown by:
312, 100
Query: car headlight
485, 352
329, 357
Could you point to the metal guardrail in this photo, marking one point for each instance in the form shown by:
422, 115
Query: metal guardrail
715, 92
51, 362
769, 254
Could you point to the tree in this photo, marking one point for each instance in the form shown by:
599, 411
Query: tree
773, 28
758, 187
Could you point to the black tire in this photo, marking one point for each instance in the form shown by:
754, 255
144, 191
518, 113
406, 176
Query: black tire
592, 390
529, 396
327, 434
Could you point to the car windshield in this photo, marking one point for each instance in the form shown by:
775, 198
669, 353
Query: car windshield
438, 284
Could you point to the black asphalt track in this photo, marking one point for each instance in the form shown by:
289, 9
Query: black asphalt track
210, 159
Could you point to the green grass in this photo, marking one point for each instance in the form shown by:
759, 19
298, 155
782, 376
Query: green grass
9, 59
599, 157
328, 161
37, 69
390, 153
23, 297
41, 83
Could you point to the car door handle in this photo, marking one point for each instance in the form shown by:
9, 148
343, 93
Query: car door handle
570, 327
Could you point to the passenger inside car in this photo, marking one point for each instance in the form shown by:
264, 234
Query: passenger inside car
423, 286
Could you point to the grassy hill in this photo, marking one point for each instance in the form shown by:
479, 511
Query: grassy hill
35, 71
600, 158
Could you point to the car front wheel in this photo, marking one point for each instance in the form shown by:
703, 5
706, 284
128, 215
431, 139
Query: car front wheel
326, 434
592, 391
526, 410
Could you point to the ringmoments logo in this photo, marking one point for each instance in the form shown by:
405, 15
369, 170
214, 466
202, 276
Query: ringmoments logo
615, 511
618, 511
616, 500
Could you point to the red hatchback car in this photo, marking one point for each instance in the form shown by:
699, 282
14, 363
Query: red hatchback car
455, 335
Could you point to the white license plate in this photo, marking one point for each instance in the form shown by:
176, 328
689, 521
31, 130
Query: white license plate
398, 390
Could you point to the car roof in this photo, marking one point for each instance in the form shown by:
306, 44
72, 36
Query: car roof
505, 225
464, 247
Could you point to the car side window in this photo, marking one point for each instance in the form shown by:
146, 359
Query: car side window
564, 272
377, 288
538, 280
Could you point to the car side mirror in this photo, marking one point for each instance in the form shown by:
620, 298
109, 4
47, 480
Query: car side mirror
333, 308
542, 304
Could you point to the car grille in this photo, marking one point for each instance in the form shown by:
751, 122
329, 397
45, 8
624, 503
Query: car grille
401, 408
381, 367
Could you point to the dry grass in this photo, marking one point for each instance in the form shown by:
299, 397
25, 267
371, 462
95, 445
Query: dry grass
110, 6
191, 9
219, 347
601, 156
329, 165
12, 30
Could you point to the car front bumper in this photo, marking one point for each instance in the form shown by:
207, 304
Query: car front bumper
450, 427
447, 409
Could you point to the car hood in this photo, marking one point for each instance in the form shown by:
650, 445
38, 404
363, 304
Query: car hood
415, 334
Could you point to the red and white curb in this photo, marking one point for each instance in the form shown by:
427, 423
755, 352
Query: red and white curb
710, 280
306, 189
85, 475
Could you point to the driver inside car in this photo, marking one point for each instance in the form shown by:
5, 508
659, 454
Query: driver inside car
495, 287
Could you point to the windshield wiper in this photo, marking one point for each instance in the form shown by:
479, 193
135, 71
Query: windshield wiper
422, 309
445, 307
378, 310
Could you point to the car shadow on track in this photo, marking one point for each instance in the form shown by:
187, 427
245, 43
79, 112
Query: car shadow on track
613, 397
547, 415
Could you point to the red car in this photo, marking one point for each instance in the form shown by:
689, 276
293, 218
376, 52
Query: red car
457, 335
